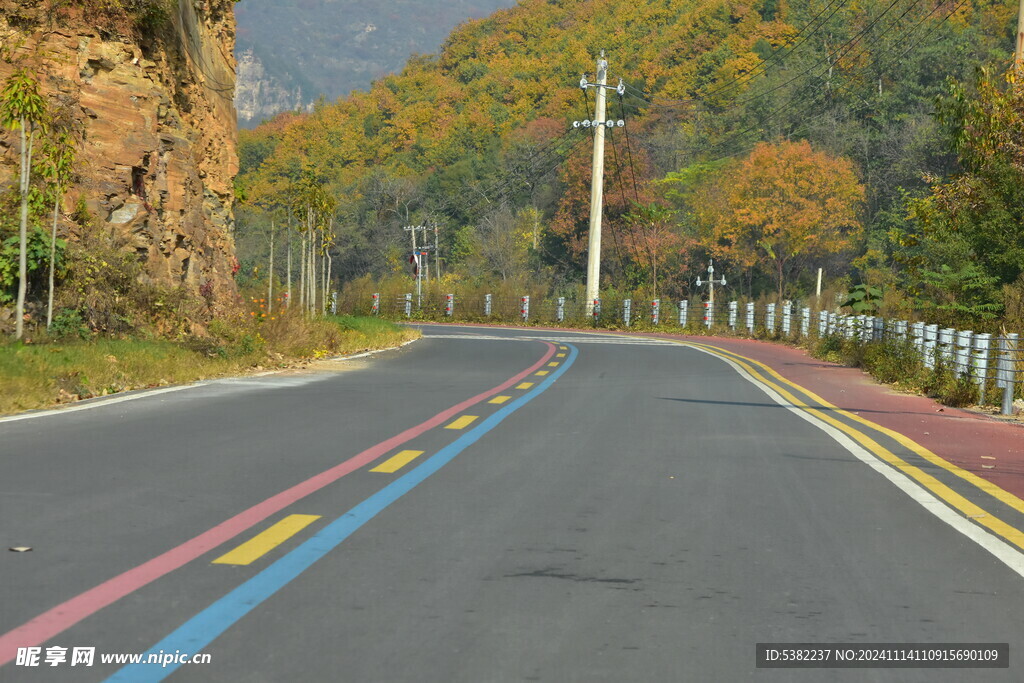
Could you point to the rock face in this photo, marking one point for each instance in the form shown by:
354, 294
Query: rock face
259, 96
157, 121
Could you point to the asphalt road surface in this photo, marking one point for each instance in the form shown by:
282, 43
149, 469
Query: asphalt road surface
481, 505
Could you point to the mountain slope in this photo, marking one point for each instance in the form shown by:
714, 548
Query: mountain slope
293, 51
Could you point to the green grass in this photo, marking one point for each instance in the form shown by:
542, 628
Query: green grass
41, 375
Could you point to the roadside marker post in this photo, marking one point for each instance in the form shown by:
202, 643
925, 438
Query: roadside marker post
750, 317
375, 308
524, 309
334, 303
487, 305
982, 346
560, 309
683, 313
655, 311
962, 353
408, 305
769, 318
931, 337
805, 321
449, 304
1006, 375
733, 312
627, 305
787, 317
709, 314
597, 310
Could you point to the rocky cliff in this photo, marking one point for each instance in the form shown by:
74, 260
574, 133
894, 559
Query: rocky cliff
152, 98
259, 95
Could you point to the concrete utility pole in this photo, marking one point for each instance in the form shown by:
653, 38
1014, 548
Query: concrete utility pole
419, 270
1018, 54
711, 282
597, 186
597, 178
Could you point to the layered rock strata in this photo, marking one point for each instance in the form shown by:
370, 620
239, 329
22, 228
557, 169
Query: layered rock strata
156, 117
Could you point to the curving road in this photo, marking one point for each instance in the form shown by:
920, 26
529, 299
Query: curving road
491, 505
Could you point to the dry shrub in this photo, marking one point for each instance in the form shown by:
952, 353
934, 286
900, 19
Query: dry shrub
1013, 305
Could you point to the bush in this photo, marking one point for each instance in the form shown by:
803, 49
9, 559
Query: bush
893, 362
67, 324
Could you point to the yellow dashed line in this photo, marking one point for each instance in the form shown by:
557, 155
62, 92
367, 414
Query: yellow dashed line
462, 422
499, 399
553, 365
525, 385
397, 461
541, 372
265, 541
559, 355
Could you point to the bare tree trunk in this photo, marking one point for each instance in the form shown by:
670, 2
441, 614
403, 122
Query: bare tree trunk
289, 302
327, 281
270, 273
53, 255
302, 274
26, 170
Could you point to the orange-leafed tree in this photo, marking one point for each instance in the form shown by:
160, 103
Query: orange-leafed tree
783, 203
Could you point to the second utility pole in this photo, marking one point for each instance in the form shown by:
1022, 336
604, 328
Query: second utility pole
597, 189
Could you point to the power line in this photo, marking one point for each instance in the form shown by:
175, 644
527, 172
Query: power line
765, 62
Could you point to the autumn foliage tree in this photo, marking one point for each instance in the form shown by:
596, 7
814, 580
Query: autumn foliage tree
783, 203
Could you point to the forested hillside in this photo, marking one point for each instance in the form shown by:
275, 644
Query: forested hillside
331, 47
777, 137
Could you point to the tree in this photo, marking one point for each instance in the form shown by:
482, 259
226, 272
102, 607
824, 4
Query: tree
784, 202
967, 236
23, 108
654, 235
57, 167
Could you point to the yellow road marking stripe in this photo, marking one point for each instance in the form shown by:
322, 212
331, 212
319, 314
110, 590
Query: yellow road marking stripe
553, 364
397, 461
965, 506
265, 541
564, 348
525, 385
499, 399
462, 422
988, 487
541, 372
559, 355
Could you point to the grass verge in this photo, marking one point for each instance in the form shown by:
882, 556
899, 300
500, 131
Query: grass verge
39, 375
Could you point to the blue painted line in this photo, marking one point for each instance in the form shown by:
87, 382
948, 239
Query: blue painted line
198, 632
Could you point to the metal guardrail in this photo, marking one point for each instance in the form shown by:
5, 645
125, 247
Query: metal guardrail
988, 360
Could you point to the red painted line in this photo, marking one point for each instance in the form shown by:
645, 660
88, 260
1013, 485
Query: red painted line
40, 629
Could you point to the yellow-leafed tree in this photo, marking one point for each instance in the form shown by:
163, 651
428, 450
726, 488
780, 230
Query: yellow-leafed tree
782, 202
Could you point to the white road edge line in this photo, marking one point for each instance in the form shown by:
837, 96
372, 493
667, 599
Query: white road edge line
1002, 550
74, 408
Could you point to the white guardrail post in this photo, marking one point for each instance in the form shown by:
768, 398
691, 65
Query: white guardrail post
979, 361
962, 352
1006, 376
